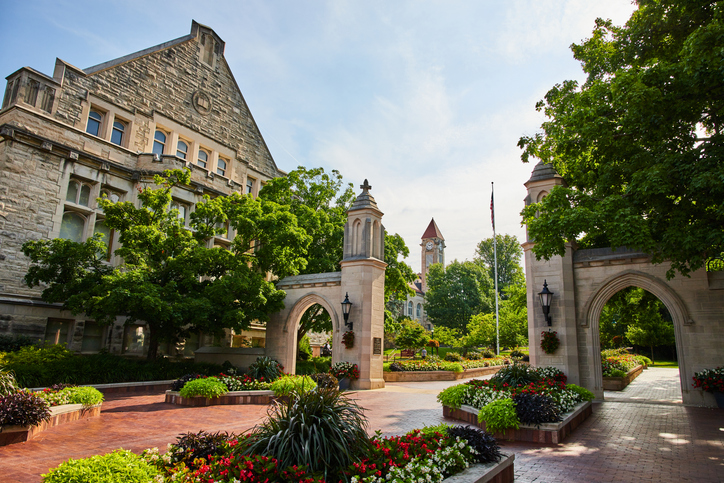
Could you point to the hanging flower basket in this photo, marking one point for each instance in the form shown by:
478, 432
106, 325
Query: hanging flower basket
348, 339
549, 341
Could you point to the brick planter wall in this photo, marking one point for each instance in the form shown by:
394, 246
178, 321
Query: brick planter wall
619, 383
419, 376
500, 472
230, 398
549, 433
62, 414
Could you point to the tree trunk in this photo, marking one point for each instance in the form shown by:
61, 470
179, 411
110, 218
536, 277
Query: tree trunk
652, 354
152, 345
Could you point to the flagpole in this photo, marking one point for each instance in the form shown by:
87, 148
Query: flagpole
495, 265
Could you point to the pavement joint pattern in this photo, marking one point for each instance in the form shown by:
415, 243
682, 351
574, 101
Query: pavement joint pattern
640, 434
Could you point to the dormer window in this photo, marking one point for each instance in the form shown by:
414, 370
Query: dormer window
95, 118
159, 142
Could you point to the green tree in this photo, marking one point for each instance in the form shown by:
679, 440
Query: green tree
170, 279
651, 330
640, 143
509, 255
456, 293
398, 277
412, 335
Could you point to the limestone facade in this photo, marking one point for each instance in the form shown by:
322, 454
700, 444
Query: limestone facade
67, 138
584, 280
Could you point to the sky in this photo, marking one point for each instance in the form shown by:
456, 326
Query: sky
425, 99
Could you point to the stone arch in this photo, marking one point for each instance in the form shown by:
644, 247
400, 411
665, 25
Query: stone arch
303, 304
590, 316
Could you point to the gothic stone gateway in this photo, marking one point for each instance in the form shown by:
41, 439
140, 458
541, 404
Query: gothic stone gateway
362, 277
584, 280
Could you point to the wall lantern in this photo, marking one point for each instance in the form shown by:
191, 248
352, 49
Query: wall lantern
346, 305
545, 302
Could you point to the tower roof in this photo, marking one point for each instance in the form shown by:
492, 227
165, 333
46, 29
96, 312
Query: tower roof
432, 231
543, 171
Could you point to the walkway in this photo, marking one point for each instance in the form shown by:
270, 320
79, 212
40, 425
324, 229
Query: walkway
653, 439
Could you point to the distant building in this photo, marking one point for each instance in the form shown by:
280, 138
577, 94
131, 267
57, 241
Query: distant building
66, 140
432, 251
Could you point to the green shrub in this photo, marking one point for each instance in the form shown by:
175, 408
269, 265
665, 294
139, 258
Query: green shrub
488, 354
85, 395
616, 373
499, 416
453, 396
584, 393
451, 366
431, 430
37, 355
453, 357
8, 384
322, 429
121, 466
518, 373
104, 369
265, 369
190, 446
644, 361
209, 387
315, 365
286, 386
474, 356
8, 343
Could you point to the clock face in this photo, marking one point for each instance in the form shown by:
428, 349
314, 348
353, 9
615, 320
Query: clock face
429, 245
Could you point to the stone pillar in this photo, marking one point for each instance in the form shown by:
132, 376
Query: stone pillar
558, 273
363, 278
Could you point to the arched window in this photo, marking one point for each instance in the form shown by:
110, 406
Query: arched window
221, 167
203, 158
94, 123
159, 142
409, 309
119, 130
419, 310
72, 226
182, 150
78, 193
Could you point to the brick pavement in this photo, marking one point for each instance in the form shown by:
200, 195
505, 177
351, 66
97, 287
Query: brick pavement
653, 439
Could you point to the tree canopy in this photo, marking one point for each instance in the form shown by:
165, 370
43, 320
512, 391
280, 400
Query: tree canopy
509, 254
457, 292
169, 278
639, 143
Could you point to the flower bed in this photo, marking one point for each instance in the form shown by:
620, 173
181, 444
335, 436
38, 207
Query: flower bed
436, 364
61, 414
520, 395
620, 383
231, 397
419, 376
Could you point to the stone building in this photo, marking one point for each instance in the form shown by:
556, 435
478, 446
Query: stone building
432, 250
69, 138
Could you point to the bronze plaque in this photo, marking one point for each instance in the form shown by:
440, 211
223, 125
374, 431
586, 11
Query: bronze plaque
376, 345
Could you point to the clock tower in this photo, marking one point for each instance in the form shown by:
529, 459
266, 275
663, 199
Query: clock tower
433, 250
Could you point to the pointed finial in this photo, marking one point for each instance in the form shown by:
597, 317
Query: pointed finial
365, 187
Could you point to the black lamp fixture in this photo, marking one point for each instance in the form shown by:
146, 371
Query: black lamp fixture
346, 305
545, 302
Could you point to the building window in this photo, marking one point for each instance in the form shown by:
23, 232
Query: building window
117, 135
31, 92
409, 309
419, 310
182, 210
182, 150
92, 337
78, 193
221, 167
249, 185
57, 331
111, 195
95, 119
203, 158
72, 226
107, 238
159, 143
48, 99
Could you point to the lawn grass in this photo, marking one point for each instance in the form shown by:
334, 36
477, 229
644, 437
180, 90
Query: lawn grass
672, 364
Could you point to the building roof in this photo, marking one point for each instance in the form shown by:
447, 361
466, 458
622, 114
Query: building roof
432, 231
543, 171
